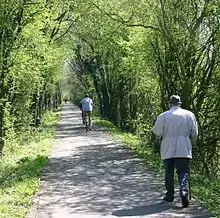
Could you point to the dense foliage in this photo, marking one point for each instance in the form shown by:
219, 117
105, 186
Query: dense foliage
132, 55
31, 61
129, 55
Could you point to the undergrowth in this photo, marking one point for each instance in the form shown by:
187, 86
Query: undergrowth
22, 165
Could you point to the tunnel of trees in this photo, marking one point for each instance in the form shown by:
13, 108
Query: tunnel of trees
129, 55
132, 55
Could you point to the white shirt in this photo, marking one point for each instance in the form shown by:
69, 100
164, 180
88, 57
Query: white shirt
87, 104
178, 129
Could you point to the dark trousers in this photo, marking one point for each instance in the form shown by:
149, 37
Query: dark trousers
89, 114
182, 169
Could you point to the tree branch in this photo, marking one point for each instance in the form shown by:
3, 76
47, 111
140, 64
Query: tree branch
144, 26
121, 20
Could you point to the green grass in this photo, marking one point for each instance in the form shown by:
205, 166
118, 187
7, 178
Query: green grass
205, 189
21, 168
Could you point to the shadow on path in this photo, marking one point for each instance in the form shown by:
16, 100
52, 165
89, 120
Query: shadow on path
92, 174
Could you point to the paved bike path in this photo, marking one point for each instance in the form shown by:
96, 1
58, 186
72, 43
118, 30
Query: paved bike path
90, 175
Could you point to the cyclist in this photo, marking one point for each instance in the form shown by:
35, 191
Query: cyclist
86, 105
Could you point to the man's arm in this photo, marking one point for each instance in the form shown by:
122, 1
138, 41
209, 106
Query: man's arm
92, 104
194, 130
159, 126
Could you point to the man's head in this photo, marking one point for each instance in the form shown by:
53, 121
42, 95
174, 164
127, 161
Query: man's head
174, 100
86, 96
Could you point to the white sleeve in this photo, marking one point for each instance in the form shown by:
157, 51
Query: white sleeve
159, 126
194, 129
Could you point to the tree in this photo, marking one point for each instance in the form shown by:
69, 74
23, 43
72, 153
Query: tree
138, 53
186, 53
31, 66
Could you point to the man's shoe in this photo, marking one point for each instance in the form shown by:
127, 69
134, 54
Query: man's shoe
168, 199
185, 201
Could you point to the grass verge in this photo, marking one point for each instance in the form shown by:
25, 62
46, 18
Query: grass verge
205, 189
21, 168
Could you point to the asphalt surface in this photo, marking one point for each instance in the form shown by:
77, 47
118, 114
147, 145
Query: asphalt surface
91, 175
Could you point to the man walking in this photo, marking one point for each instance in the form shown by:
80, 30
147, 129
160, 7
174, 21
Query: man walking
178, 129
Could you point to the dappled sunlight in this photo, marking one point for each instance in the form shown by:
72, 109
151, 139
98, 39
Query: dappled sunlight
93, 175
